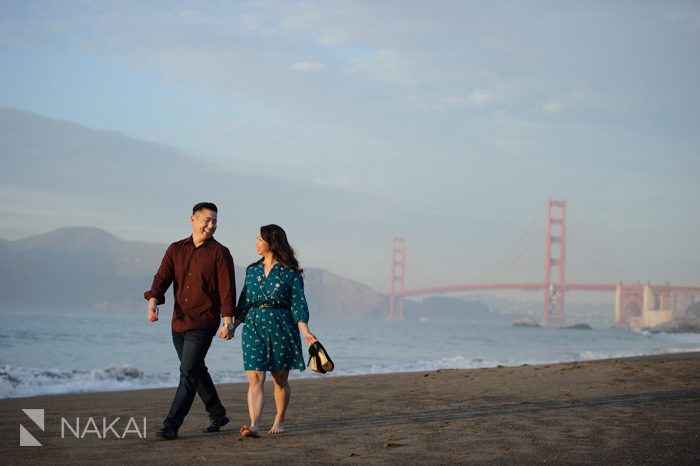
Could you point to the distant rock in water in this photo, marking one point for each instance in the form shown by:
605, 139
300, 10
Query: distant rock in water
445, 308
526, 322
689, 323
577, 327
677, 327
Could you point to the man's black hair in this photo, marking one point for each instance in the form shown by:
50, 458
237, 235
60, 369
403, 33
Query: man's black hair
204, 205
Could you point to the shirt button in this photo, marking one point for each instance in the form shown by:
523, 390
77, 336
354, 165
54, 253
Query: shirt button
185, 299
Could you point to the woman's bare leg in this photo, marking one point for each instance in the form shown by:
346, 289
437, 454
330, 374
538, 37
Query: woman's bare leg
282, 394
256, 398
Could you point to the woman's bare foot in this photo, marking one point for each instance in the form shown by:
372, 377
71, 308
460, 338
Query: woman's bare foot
277, 428
249, 432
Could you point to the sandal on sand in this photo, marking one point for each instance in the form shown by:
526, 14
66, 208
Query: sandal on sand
319, 361
246, 432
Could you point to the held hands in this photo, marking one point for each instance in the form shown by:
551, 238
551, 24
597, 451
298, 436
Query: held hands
225, 333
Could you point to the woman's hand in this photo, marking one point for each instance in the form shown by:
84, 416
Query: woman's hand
308, 336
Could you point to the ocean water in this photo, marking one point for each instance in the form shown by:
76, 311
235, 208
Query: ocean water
46, 351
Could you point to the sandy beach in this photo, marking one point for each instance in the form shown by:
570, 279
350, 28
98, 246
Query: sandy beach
633, 411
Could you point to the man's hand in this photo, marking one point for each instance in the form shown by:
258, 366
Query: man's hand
225, 333
152, 309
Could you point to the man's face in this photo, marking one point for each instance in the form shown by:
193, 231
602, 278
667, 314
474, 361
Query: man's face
204, 223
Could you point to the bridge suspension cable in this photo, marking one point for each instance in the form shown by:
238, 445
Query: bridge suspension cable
594, 257
524, 238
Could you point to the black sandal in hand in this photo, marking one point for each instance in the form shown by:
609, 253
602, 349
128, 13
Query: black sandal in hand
319, 360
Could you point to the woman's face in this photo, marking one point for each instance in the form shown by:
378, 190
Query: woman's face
261, 246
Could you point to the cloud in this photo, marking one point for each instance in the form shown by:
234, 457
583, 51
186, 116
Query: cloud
574, 100
553, 106
308, 66
480, 97
456, 100
389, 66
476, 98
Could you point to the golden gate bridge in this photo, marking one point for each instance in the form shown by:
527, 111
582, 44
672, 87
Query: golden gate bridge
636, 305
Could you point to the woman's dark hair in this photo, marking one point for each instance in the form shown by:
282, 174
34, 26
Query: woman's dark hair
280, 248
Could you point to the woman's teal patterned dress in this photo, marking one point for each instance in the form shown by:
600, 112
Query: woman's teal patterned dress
271, 309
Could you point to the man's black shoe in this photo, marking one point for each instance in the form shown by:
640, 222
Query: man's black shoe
216, 424
167, 433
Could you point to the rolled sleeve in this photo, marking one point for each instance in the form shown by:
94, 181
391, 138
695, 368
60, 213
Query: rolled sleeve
163, 278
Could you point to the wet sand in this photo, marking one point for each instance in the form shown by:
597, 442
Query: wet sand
627, 411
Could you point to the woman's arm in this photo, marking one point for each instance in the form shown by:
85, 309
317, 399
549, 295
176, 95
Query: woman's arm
308, 336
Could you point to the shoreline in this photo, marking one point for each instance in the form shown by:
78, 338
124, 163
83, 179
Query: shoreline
637, 410
307, 375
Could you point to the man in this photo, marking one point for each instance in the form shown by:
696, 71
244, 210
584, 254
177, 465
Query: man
204, 287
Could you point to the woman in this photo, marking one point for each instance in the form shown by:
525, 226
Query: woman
274, 309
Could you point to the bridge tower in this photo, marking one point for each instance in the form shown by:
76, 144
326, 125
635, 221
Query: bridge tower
398, 278
555, 257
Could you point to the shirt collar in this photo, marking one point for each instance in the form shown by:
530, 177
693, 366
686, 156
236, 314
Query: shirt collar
205, 243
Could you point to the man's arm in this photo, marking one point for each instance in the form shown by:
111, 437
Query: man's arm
161, 282
227, 291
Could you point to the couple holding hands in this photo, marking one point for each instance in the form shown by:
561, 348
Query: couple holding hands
272, 305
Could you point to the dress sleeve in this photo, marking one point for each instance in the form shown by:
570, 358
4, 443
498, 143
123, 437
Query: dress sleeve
300, 309
242, 310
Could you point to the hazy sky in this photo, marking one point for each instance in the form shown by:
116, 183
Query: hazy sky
451, 123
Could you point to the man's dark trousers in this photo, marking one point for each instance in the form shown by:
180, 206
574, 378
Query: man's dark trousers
192, 347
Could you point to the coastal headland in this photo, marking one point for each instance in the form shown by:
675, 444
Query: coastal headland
643, 410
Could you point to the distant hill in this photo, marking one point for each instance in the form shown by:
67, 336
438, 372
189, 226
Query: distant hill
85, 267
89, 267
336, 297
